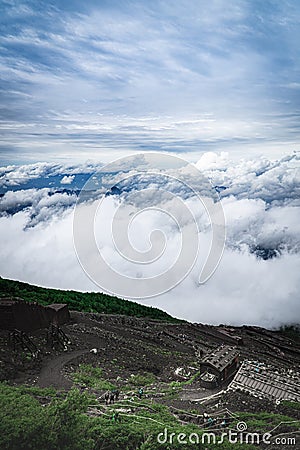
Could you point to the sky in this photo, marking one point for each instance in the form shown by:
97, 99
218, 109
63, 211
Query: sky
94, 80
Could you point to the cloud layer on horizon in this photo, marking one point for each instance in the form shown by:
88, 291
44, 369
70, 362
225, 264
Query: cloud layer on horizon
257, 281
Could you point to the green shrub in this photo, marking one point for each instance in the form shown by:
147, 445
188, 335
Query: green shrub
82, 301
89, 376
27, 425
144, 379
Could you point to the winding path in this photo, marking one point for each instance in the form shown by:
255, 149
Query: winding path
51, 374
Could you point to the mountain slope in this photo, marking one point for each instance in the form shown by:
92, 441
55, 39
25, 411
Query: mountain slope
81, 301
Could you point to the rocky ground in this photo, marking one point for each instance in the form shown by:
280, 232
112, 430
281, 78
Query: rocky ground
127, 347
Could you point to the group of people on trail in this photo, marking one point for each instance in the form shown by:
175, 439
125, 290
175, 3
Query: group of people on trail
217, 422
111, 396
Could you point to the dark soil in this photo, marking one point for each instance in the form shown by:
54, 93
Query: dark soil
127, 346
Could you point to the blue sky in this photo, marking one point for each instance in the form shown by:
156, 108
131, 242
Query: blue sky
92, 80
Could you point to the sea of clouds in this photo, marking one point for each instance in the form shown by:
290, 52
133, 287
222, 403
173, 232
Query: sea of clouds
257, 281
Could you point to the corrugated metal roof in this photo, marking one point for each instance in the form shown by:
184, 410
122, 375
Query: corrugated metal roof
261, 380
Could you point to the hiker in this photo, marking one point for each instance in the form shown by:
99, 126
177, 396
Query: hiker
210, 421
106, 397
226, 420
140, 393
117, 393
115, 417
111, 398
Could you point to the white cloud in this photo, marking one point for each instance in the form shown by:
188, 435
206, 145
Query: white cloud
262, 215
243, 290
14, 176
261, 178
20, 175
67, 179
40, 205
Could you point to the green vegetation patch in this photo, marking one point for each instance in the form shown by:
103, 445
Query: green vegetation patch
96, 302
89, 376
290, 404
265, 421
64, 424
145, 379
25, 424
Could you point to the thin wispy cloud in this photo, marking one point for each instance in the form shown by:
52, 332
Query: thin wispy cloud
95, 79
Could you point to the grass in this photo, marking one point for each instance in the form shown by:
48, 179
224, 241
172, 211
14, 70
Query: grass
32, 390
265, 421
142, 380
192, 379
89, 376
64, 423
180, 384
290, 404
96, 302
